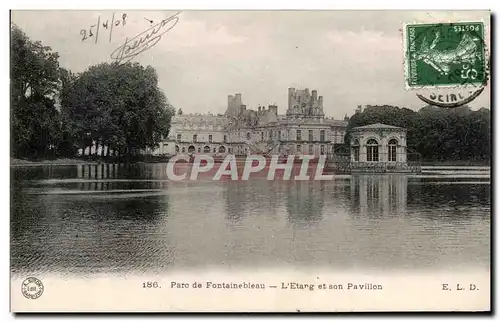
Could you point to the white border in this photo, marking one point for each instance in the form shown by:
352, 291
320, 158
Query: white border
190, 4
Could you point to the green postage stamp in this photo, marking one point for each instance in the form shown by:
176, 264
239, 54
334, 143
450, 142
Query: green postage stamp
444, 55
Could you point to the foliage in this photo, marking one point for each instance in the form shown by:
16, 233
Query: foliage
117, 106
435, 133
34, 75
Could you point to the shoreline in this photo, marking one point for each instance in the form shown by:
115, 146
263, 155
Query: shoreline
64, 161
14, 162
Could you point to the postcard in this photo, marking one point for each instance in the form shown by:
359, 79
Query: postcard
250, 161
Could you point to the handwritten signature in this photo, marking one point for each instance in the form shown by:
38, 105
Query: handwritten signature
145, 40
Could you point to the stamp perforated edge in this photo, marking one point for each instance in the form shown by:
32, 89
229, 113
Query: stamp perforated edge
486, 35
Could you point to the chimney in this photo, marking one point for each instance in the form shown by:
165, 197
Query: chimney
229, 101
291, 92
320, 101
260, 108
315, 95
238, 100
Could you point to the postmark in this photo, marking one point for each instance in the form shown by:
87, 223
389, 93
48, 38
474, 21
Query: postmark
446, 63
32, 288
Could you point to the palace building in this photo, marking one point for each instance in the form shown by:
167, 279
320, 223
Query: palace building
303, 129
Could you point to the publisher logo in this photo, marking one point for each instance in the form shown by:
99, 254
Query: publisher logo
32, 288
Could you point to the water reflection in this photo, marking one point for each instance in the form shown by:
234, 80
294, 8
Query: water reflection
117, 218
305, 201
78, 232
380, 195
241, 199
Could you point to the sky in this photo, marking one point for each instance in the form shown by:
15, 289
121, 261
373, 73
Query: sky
351, 57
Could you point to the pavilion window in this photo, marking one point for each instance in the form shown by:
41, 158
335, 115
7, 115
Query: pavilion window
372, 150
393, 143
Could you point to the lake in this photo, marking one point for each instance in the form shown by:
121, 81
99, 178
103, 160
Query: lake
86, 219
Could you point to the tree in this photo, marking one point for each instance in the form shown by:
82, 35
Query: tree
69, 138
34, 75
119, 107
435, 133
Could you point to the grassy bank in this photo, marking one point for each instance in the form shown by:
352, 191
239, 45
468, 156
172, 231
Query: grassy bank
38, 162
457, 163
88, 160
164, 158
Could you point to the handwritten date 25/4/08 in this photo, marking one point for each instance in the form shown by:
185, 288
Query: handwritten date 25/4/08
93, 30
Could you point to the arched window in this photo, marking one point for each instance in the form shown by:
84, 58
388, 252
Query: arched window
393, 143
176, 149
191, 149
206, 149
183, 149
355, 150
248, 135
372, 150
222, 149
